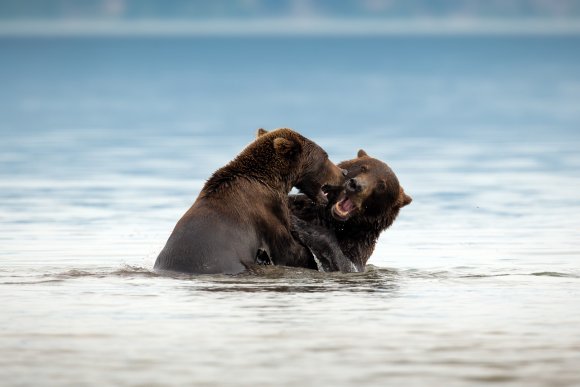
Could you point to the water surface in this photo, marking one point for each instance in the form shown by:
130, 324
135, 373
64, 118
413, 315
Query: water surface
105, 143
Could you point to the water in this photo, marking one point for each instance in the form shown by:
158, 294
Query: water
105, 143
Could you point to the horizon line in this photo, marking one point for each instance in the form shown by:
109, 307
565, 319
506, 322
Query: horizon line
289, 27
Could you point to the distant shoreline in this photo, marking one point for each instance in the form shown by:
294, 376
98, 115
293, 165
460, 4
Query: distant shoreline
291, 27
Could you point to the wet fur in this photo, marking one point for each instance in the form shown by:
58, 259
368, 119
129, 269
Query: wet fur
243, 208
347, 245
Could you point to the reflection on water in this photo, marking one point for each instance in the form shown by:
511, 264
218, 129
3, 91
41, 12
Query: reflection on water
477, 282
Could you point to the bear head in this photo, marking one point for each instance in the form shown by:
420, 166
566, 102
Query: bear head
371, 191
309, 162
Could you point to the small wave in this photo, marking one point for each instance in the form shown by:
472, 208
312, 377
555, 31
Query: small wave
454, 274
555, 274
425, 274
31, 282
139, 271
282, 279
125, 271
485, 275
538, 274
73, 273
296, 280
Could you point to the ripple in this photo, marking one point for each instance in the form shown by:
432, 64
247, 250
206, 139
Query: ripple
555, 274
124, 271
278, 278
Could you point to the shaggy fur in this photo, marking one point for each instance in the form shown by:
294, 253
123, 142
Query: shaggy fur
242, 210
344, 240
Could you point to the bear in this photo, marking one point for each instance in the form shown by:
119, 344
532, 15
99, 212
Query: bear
243, 208
343, 234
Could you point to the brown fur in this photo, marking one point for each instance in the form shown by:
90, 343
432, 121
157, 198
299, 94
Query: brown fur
243, 208
375, 191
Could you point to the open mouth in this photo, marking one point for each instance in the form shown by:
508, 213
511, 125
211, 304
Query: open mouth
343, 209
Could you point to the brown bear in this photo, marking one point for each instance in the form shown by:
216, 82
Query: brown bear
343, 234
243, 208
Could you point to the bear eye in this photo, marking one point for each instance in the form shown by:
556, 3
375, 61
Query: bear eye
364, 168
382, 185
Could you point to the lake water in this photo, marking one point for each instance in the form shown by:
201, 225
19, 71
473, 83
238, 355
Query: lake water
106, 142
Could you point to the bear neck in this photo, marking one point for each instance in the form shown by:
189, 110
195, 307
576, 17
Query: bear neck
253, 165
358, 236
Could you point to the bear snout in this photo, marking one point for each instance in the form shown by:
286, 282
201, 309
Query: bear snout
354, 186
335, 175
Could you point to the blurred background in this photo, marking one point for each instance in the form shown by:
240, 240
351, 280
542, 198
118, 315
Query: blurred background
113, 113
120, 109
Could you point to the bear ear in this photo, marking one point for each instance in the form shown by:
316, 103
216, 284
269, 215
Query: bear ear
261, 132
361, 153
403, 198
285, 147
